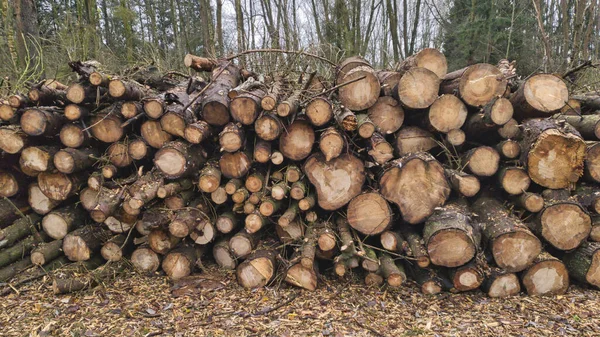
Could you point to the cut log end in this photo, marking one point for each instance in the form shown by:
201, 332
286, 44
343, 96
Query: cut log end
483, 161
450, 248
504, 286
546, 278
447, 113
480, 83
514, 251
369, 213
145, 260
418, 88
565, 225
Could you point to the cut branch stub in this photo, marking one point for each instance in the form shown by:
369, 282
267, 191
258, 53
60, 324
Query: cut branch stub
417, 184
336, 181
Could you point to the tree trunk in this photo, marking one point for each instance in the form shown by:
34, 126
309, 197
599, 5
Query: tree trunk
540, 96
477, 85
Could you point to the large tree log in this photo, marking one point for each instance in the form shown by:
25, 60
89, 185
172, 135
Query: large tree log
477, 85
232, 137
418, 88
336, 181
429, 58
59, 186
587, 125
145, 260
84, 242
12, 139
564, 224
37, 159
583, 263
546, 276
592, 162
553, 153
176, 159
42, 121
360, 94
417, 184
197, 132
58, 223
215, 101
411, 139
257, 270
319, 111
450, 238
245, 107
540, 96
297, 142
369, 213
512, 245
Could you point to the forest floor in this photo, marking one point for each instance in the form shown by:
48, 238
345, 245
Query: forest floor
212, 304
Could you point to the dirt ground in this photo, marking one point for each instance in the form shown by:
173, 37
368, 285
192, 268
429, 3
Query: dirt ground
212, 304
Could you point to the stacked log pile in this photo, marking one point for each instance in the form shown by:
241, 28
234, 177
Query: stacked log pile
458, 181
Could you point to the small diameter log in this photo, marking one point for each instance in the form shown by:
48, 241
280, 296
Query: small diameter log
307, 202
370, 261
467, 277
336, 181
58, 223
18, 230
38, 201
270, 100
553, 153
257, 270
319, 111
80, 93
59, 186
73, 135
583, 263
293, 173
418, 88
463, 183
477, 85
482, 161
531, 202
235, 165
7, 113
289, 215
199, 63
37, 159
450, 238
540, 96
360, 94
197, 132
223, 255
417, 184
269, 206
500, 283
345, 118
509, 149
245, 107
233, 185
109, 171
14, 269
120, 221
161, 241
380, 150
131, 109
46, 252
144, 189
393, 272
280, 190
177, 159
455, 137
331, 143
499, 111
138, 149
446, 113
374, 280
11, 183
291, 233
388, 80
394, 241
226, 222
11, 210
513, 246
416, 246
19, 101
12, 140
210, 178
262, 151
254, 222
154, 134
513, 180
173, 188
299, 190
232, 137
47, 93
411, 139
74, 112
255, 182
364, 126
114, 249
242, 243
564, 224
125, 90
427, 279
277, 158
145, 260
546, 276
510, 130
268, 127
154, 218
175, 120
99, 79
302, 274
297, 142
369, 213
72, 160
185, 221
82, 243
107, 127
215, 101
219, 196
42, 121
290, 105
21, 248
592, 162
240, 195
